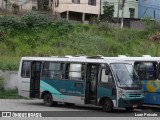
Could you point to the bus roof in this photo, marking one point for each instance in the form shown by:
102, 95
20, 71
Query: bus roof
72, 59
145, 58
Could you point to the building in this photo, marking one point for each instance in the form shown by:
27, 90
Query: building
149, 8
82, 10
78, 10
130, 8
23, 4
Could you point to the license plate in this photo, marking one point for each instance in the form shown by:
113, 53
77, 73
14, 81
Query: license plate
134, 105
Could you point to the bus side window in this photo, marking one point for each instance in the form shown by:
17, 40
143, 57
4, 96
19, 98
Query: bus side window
26, 69
53, 70
75, 71
106, 78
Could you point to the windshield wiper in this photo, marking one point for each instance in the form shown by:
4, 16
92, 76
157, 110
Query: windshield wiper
119, 80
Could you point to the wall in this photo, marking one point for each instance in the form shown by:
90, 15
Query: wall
147, 7
11, 79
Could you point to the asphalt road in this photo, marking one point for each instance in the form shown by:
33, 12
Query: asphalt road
61, 110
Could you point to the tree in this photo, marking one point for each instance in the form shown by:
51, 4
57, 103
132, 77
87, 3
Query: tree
15, 7
108, 10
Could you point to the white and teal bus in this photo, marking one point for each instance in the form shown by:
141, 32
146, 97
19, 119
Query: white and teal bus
80, 80
148, 69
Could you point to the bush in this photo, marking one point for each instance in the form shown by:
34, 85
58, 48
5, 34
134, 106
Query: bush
9, 65
7, 22
10, 22
34, 20
63, 27
1, 83
9, 94
123, 35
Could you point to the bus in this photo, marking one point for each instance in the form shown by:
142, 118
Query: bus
148, 69
80, 80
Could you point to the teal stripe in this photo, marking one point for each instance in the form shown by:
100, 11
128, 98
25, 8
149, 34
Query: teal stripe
45, 86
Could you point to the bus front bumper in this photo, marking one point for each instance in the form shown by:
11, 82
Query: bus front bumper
130, 103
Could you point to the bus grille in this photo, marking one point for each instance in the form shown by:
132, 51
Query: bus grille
133, 95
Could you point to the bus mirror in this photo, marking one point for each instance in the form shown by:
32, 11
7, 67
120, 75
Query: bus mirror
107, 72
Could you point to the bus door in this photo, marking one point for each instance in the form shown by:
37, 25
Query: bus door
75, 85
91, 83
35, 79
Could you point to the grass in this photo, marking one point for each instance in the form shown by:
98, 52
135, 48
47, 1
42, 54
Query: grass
62, 38
9, 63
9, 94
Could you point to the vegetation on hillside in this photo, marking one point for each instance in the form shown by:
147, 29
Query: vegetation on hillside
35, 35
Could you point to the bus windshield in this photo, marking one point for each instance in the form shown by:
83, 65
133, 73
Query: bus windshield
126, 75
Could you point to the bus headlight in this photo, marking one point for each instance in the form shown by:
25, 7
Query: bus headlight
121, 94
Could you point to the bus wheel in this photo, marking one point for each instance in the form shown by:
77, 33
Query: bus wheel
48, 100
107, 105
129, 109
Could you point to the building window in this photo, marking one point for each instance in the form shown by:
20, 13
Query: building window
76, 1
146, 70
57, 3
75, 71
53, 70
26, 69
132, 12
92, 2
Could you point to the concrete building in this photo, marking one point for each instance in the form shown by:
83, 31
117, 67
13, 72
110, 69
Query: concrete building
82, 10
23, 4
149, 8
79, 10
130, 8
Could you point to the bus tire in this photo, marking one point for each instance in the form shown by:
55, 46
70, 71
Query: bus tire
48, 100
107, 105
129, 109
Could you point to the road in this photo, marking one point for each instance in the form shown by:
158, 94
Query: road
61, 110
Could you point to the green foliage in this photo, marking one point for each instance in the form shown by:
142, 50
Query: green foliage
94, 21
9, 94
83, 43
149, 24
42, 38
108, 11
1, 83
63, 27
11, 22
34, 20
9, 63
7, 21
15, 6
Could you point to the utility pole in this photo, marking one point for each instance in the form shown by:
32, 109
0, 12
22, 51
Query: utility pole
122, 18
118, 11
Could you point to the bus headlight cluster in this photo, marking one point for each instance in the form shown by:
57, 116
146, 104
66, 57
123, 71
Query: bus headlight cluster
121, 94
